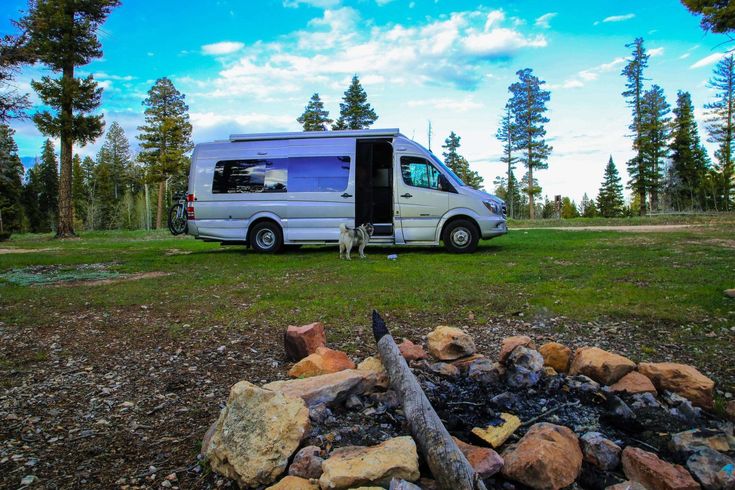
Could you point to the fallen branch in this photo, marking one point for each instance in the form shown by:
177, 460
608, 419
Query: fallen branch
447, 463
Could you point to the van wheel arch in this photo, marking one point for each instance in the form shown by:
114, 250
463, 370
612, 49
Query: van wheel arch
263, 225
461, 221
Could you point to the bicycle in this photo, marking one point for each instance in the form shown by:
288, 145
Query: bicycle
177, 216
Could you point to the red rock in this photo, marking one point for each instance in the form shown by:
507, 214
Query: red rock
299, 342
307, 463
510, 343
556, 355
485, 461
411, 351
633, 382
602, 366
548, 457
655, 473
323, 361
464, 364
682, 379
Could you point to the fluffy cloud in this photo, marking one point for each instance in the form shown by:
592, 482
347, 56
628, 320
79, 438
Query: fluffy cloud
588, 75
222, 48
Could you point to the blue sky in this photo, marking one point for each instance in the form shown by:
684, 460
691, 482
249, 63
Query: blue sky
250, 66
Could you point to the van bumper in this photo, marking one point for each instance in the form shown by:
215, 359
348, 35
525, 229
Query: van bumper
191, 228
492, 226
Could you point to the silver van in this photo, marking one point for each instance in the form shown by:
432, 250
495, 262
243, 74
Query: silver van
276, 189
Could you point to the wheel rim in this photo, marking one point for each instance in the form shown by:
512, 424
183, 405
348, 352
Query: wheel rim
265, 239
460, 237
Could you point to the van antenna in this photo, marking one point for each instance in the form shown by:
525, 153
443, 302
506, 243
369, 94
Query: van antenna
413, 133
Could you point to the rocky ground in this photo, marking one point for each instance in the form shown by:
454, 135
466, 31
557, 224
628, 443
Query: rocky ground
108, 401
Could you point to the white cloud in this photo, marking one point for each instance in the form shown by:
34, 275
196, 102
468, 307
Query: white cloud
222, 48
588, 75
708, 60
493, 18
323, 4
383, 2
656, 52
446, 104
543, 21
618, 18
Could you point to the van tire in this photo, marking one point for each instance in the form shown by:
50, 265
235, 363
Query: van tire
461, 236
266, 237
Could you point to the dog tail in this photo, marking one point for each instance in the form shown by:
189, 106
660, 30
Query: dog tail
342, 227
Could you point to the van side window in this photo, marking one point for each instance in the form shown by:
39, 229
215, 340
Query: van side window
237, 176
418, 172
318, 174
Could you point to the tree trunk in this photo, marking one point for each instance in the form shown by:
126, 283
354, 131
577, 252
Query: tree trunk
159, 211
447, 463
65, 226
531, 207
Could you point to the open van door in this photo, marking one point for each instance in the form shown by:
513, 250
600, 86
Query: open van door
422, 201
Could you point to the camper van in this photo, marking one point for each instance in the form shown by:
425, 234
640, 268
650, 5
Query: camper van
277, 189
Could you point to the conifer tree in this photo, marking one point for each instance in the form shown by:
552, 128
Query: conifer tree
90, 186
355, 112
655, 131
165, 138
13, 104
689, 161
531, 188
115, 151
568, 209
78, 190
106, 207
48, 187
315, 117
633, 73
717, 15
505, 136
610, 200
11, 184
63, 36
459, 164
588, 209
721, 126
29, 200
528, 106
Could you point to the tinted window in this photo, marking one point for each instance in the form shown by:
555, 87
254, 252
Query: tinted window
236, 176
318, 174
418, 172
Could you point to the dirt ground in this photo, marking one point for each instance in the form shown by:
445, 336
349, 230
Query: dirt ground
104, 401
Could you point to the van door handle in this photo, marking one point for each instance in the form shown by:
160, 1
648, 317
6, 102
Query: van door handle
345, 195
406, 195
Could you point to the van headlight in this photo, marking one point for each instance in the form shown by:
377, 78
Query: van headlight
492, 206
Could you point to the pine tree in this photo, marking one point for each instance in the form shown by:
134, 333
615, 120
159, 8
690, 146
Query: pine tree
717, 15
11, 183
721, 126
165, 138
91, 210
355, 112
568, 209
531, 188
610, 198
315, 117
505, 136
689, 161
48, 190
29, 200
13, 54
115, 151
633, 73
106, 206
655, 131
587, 207
78, 190
528, 106
62, 36
459, 164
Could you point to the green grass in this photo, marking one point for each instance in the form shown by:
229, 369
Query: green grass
708, 219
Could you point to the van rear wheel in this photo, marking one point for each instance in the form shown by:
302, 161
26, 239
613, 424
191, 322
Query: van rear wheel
461, 236
266, 237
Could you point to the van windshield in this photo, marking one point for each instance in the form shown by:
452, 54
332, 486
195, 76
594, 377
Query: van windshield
448, 170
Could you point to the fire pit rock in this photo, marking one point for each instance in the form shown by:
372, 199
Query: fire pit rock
484, 460
299, 342
256, 433
633, 382
374, 366
600, 365
510, 343
307, 463
690, 440
546, 458
655, 473
713, 469
411, 351
327, 388
599, 451
556, 356
683, 379
523, 367
294, 483
449, 343
323, 361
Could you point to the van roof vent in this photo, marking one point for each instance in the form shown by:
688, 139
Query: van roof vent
360, 133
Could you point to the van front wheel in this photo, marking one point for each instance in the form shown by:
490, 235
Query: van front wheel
461, 236
266, 237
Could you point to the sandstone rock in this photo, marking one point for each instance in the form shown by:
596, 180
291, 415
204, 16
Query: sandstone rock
633, 382
294, 483
464, 363
510, 343
411, 351
599, 451
299, 342
730, 410
256, 434
547, 457
449, 343
354, 466
691, 440
682, 379
484, 460
655, 473
323, 361
443, 369
497, 435
602, 366
550, 371
730, 293
713, 469
327, 388
208, 438
398, 484
556, 355
523, 367
307, 463
375, 366
627, 485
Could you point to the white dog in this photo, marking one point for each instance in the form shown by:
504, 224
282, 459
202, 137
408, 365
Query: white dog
348, 237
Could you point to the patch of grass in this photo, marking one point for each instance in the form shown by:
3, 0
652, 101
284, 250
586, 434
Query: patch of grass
661, 219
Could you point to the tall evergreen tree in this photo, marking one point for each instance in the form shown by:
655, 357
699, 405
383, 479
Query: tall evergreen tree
610, 199
91, 208
48, 187
528, 106
315, 117
115, 151
458, 163
505, 136
655, 130
29, 199
721, 125
689, 160
11, 183
531, 188
78, 190
13, 54
62, 36
165, 138
587, 207
633, 73
355, 112
717, 15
